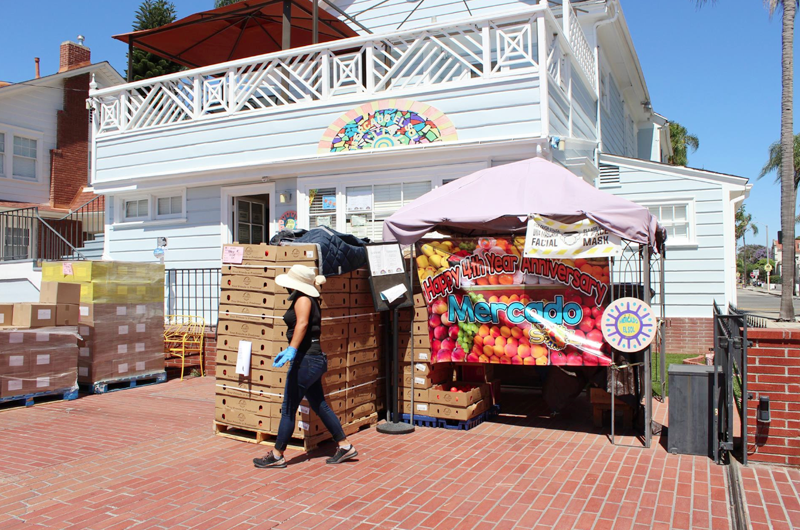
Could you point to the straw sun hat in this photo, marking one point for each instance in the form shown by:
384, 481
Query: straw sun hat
301, 278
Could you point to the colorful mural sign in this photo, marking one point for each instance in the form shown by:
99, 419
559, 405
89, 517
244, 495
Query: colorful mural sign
387, 123
629, 325
488, 303
546, 238
288, 221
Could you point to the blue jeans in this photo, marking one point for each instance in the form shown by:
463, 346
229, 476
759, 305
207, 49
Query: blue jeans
304, 379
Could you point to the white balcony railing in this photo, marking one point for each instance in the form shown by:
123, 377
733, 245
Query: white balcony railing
377, 65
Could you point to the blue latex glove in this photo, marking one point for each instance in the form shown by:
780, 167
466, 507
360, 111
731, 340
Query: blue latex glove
286, 356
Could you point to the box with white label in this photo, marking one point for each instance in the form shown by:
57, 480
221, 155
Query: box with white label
6, 314
34, 315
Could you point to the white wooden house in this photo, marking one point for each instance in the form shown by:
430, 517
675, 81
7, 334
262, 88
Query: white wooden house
235, 151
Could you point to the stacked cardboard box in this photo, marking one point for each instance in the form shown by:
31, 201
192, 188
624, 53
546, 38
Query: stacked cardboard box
37, 361
120, 317
418, 374
251, 310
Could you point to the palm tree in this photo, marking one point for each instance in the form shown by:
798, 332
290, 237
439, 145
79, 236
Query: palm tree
774, 161
788, 190
744, 222
682, 141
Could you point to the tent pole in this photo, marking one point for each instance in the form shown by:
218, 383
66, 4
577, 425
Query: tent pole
315, 22
286, 41
648, 382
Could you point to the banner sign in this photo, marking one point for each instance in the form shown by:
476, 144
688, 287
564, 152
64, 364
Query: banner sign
488, 303
546, 238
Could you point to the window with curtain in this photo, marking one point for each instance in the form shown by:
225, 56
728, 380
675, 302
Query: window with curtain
386, 199
24, 157
137, 209
322, 208
169, 206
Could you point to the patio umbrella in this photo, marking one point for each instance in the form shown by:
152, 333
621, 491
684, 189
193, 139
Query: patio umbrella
500, 199
236, 31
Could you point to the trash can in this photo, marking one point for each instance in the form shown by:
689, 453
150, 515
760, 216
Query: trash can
691, 410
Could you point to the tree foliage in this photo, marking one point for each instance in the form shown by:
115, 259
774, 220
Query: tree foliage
682, 141
774, 161
744, 222
150, 15
222, 3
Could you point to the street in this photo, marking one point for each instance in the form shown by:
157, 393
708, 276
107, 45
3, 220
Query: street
760, 302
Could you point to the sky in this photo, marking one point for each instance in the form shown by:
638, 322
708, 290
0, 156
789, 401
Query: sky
716, 70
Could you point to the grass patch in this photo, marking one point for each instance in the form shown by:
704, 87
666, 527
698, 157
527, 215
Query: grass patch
672, 358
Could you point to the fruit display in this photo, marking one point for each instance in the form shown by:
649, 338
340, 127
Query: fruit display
489, 304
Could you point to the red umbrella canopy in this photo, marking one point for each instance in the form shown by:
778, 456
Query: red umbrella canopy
236, 31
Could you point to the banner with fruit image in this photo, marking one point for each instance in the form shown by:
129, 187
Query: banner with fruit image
488, 303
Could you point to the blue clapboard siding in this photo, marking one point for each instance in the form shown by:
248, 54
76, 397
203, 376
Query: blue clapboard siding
613, 121
695, 275
194, 243
498, 110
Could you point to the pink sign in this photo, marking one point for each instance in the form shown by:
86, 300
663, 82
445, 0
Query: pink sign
233, 255
66, 268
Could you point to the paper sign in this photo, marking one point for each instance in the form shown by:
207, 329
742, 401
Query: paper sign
85, 331
140, 366
44, 314
629, 325
16, 360
546, 238
359, 201
123, 330
43, 358
422, 407
15, 384
233, 255
15, 338
83, 371
2, 318
122, 348
141, 309
66, 268
139, 347
140, 328
84, 310
393, 293
385, 259
122, 310
243, 357
329, 202
123, 368
42, 337
42, 382
85, 352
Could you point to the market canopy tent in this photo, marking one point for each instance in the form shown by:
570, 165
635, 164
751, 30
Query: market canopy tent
500, 199
236, 31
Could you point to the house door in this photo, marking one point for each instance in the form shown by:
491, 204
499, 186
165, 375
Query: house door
250, 220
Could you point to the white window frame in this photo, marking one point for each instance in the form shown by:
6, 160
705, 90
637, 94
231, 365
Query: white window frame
7, 171
152, 217
691, 217
435, 174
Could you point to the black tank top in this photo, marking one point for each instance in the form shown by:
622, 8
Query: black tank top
311, 340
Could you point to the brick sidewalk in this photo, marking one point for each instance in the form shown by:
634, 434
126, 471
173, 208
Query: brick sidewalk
772, 495
147, 458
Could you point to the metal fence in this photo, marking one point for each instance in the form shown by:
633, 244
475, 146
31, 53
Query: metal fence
25, 235
193, 292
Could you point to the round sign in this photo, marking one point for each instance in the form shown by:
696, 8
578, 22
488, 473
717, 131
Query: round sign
629, 325
768, 267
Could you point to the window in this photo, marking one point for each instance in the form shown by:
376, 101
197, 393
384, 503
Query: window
169, 206
16, 243
2, 154
369, 206
322, 207
24, 157
137, 209
677, 220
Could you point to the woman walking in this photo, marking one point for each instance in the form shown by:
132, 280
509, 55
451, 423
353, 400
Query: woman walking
304, 320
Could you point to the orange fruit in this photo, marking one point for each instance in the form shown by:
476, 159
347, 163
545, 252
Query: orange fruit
483, 330
493, 280
504, 331
516, 333
541, 361
537, 351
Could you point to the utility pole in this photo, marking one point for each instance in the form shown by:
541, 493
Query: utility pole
769, 265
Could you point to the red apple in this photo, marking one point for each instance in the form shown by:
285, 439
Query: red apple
595, 336
436, 345
448, 344
454, 389
597, 312
445, 319
440, 332
458, 355
439, 306
473, 358
453, 332
516, 360
587, 324
586, 311
598, 324
574, 359
590, 360
557, 358
444, 356
435, 320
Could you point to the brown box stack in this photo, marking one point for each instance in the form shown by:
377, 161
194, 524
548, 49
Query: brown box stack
120, 317
37, 361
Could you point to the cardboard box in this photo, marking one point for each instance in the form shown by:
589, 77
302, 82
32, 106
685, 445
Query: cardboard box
258, 347
67, 315
12, 363
337, 361
253, 405
245, 313
360, 285
420, 368
420, 355
333, 330
421, 395
363, 342
440, 394
263, 269
335, 284
439, 410
362, 356
240, 418
252, 283
360, 273
441, 372
359, 327
361, 372
296, 252
28, 315
334, 377
248, 298
334, 300
419, 301
60, 293
420, 408
6, 314
359, 411
361, 300
335, 346
361, 394
273, 331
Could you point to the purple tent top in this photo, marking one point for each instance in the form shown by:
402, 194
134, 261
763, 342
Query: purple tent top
499, 200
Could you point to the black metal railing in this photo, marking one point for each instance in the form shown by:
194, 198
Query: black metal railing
193, 292
753, 321
25, 235
84, 223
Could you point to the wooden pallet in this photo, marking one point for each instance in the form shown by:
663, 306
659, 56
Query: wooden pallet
29, 400
355, 426
243, 434
124, 383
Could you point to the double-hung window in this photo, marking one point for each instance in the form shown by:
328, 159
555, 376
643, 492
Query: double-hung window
25, 158
677, 218
369, 206
169, 207
136, 209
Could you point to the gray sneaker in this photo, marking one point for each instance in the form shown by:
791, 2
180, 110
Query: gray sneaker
342, 455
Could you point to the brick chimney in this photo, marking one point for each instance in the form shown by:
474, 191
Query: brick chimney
73, 56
